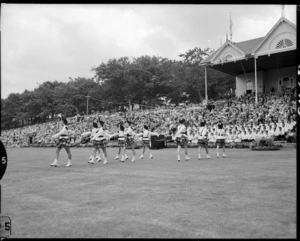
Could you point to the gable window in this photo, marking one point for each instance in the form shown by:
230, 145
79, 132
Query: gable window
227, 57
284, 43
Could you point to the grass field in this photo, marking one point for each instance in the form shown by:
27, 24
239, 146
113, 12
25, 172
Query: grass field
249, 194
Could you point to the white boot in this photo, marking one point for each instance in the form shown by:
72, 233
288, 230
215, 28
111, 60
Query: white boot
224, 155
150, 156
126, 157
178, 158
69, 163
187, 158
105, 161
98, 158
208, 156
54, 164
133, 159
122, 159
117, 157
142, 156
91, 161
199, 156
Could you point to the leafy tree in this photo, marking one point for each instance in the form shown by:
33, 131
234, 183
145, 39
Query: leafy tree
145, 80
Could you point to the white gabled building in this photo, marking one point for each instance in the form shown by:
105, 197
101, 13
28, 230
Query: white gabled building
260, 64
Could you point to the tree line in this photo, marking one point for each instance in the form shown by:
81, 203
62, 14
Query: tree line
118, 84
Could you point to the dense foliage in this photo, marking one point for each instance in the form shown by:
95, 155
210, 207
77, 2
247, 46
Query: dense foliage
118, 84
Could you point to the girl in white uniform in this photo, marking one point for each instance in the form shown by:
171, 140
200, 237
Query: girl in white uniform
96, 149
63, 142
129, 139
221, 135
121, 143
181, 139
146, 140
100, 140
203, 139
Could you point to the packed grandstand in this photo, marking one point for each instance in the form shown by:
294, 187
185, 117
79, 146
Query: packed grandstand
273, 118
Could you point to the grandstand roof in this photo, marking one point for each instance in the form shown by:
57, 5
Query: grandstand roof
249, 45
276, 60
246, 46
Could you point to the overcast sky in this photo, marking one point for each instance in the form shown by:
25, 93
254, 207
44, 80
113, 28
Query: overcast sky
42, 42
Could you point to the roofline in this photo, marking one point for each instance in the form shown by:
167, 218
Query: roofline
274, 51
282, 19
228, 42
251, 56
213, 53
219, 50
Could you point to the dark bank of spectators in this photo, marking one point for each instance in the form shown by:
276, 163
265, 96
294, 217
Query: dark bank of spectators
272, 118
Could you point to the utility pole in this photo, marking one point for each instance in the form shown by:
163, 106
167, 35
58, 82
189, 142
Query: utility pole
206, 97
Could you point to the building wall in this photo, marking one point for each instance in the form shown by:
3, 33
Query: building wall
241, 82
273, 76
269, 78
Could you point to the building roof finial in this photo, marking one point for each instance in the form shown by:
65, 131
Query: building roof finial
282, 11
230, 26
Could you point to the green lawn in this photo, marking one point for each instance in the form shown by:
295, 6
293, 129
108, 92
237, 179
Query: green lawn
249, 194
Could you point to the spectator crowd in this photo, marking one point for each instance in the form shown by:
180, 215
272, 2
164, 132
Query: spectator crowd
272, 118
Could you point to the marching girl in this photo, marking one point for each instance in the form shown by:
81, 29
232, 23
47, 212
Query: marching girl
100, 140
203, 139
221, 135
181, 139
211, 136
63, 142
96, 149
121, 143
129, 139
146, 140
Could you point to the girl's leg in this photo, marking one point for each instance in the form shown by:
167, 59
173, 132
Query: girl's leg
56, 157
206, 148
124, 153
92, 159
199, 152
98, 155
133, 152
142, 156
178, 152
105, 154
186, 152
218, 151
150, 155
224, 155
69, 156
91, 156
57, 153
118, 155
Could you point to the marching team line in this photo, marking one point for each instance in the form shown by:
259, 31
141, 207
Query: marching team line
126, 139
